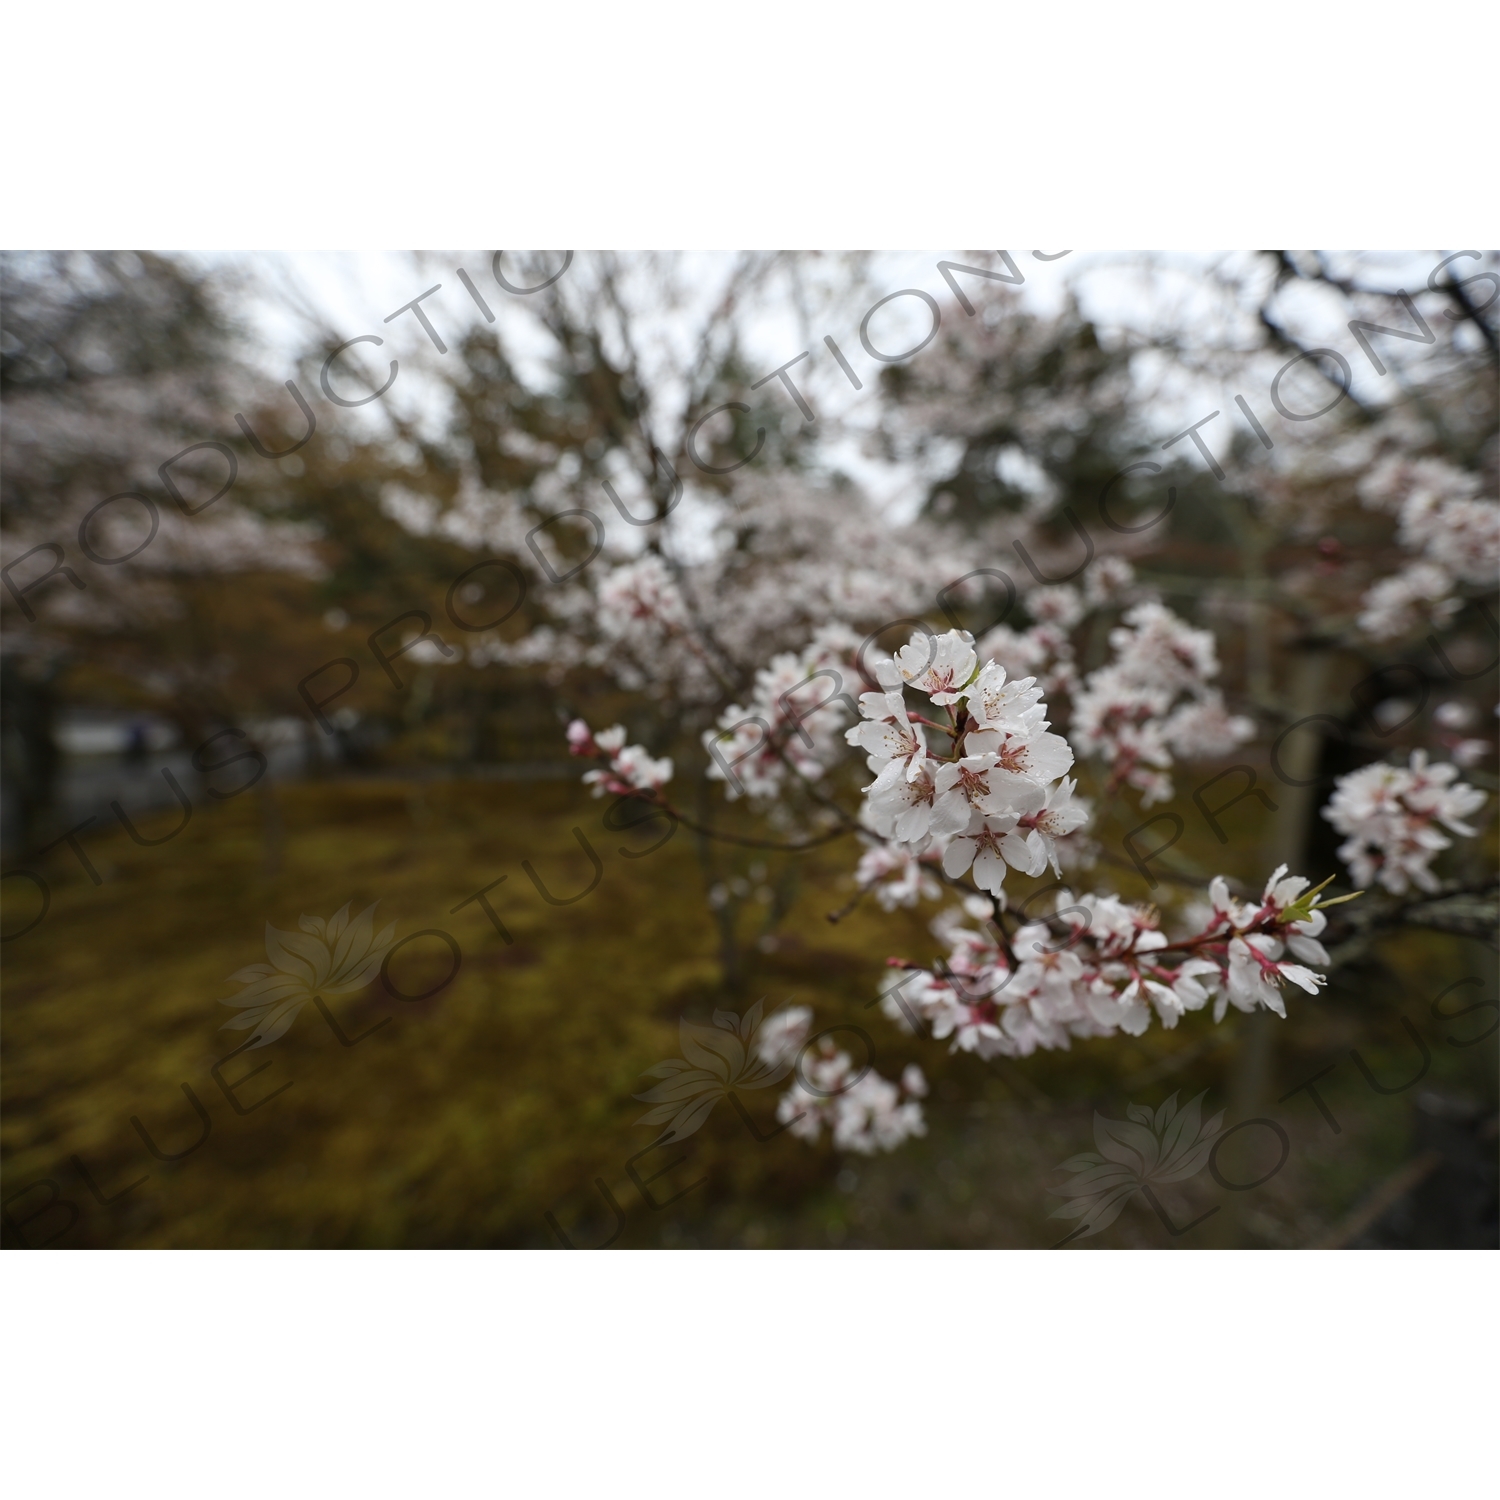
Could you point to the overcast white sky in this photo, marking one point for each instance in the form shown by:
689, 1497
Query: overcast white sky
353, 292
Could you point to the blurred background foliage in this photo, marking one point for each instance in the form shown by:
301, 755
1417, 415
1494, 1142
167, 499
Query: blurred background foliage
507, 1096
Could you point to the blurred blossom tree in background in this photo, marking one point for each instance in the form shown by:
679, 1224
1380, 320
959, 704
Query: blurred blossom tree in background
1228, 624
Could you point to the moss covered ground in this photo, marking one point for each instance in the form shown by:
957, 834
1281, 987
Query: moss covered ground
471, 1116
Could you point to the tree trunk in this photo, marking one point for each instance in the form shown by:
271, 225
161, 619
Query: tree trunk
1252, 1069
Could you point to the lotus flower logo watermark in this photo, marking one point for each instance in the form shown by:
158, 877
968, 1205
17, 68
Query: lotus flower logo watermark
329, 957
736, 1052
1145, 1149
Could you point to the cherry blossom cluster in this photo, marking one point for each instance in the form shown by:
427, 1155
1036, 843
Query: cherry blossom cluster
730, 580
641, 598
1451, 719
791, 726
1389, 814
1154, 701
627, 769
1100, 967
897, 876
1045, 650
994, 798
863, 1111
1453, 530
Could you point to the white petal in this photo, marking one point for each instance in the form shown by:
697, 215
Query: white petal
1309, 948
951, 814
989, 870
1190, 994
1016, 852
912, 825
1305, 977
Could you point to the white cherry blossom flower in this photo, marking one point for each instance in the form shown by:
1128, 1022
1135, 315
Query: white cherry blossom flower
781, 1036
939, 665
1302, 939
1111, 972
899, 802
1006, 704
1056, 604
1155, 701
1194, 981
864, 1112
1037, 757
891, 741
635, 767
792, 723
1452, 531
1062, 814
1249, 982
629, 767
1388, 814
963, 787
640, 599
989, 844
897, 875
